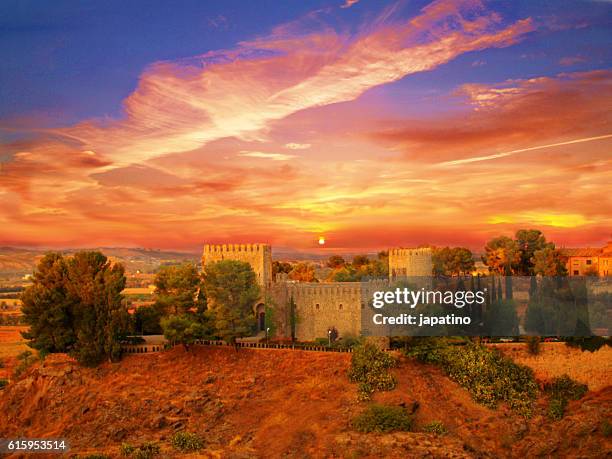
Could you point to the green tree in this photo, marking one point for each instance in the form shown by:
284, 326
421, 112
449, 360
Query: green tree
280, 267
232, 290
548, 262
303, 272
360, 260
452, 261
75, 305
529, 242
147, 320
270, 316
501, 318
502, 255
47, 308
335, 262
177, 288
293, 318
101, 320
345, 274
184, 329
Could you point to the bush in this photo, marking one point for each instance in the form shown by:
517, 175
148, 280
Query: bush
95, 456
560, 391
533, 345
187, 441
435, 427
3, 383
382, 418
566, 388
147, 450
606, 428
486, 374
370, 369
347, 342
556, 408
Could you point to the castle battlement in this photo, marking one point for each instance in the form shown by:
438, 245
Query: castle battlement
319, 306
229, 248
259, 256
410, 252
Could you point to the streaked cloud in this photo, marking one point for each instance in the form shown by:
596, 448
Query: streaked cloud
297, 146
183, 105
458, 162
265, 155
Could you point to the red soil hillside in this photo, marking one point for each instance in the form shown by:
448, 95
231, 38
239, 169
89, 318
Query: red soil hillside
276, 403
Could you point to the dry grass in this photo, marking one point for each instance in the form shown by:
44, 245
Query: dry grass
11, 345
11, 342
556, 359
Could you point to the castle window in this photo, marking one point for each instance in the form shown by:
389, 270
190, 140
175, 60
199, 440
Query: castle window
340, 306
362, 305
588, 262
317, 306
576, 272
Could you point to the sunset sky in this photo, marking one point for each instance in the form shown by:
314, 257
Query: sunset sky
171, 124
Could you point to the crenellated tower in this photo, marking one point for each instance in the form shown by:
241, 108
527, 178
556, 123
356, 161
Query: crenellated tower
259, 256
410, 262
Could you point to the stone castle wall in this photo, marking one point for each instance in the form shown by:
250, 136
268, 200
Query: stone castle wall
319, 306
259, 256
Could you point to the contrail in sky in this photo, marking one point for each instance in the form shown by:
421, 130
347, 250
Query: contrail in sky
513, 152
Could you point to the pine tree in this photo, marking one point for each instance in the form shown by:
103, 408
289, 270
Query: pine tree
231, 290
47, 309
100, 318
293, 319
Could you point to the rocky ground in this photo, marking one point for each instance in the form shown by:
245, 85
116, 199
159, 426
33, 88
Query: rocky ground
278, 403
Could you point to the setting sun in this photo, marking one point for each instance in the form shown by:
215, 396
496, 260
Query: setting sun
321, 240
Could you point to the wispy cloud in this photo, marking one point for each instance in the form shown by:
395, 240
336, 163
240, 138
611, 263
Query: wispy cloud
183, 105
265, 155
297, 146
571, 60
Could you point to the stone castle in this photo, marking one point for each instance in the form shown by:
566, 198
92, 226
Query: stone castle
322, 306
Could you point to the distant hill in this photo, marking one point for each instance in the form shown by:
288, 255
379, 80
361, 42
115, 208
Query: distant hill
23, 261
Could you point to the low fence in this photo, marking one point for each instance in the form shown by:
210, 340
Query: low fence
147, 348
142, 348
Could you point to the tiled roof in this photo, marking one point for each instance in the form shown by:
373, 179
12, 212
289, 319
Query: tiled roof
582, 252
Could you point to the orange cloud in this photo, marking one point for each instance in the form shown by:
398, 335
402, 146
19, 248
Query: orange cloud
180, 106
275, 141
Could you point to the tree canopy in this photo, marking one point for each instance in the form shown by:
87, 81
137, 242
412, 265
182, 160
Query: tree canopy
232, 291
75, 305
527, 254
453, 261
303, 272
177, 288
183, 330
